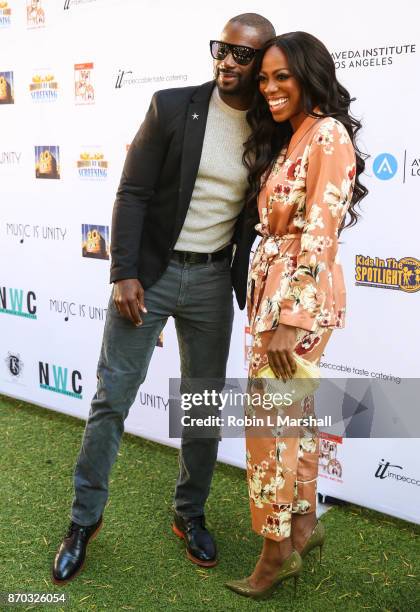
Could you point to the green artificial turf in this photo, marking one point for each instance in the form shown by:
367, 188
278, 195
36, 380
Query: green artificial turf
370, 561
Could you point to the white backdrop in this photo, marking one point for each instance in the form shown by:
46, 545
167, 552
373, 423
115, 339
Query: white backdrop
76, 77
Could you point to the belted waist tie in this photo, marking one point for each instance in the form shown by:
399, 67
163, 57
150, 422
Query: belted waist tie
268, 249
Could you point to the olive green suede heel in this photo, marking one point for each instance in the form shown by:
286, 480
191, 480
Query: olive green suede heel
290, 568
317, 538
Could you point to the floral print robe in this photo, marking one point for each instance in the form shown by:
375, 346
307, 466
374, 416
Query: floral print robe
296, 279
295, 276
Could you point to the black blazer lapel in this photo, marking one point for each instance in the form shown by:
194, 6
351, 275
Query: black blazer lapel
195, 128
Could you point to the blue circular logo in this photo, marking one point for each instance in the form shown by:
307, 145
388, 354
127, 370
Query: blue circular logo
385, 166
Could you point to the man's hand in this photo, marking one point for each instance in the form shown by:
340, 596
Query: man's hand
129, 299
280, 351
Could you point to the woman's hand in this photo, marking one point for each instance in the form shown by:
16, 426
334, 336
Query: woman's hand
280, 351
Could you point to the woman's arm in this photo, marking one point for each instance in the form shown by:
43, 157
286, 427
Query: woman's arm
309, 298
329, 188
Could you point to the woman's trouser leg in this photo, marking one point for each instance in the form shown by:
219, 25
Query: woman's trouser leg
282, 470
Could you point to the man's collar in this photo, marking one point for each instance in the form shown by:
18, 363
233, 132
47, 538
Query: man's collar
203, 92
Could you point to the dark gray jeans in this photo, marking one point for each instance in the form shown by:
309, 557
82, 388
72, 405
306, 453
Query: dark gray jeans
199, 297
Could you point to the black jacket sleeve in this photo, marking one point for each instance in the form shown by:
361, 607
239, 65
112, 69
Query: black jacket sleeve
136, 189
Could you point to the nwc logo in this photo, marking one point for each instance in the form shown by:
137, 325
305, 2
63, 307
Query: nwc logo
18, 302
59, 380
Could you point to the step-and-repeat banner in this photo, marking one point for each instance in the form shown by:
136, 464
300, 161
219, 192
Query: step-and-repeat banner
76, 77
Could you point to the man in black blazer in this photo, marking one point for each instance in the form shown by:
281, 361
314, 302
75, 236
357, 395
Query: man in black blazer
180, 241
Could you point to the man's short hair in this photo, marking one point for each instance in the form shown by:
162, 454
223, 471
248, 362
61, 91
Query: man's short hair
260, 23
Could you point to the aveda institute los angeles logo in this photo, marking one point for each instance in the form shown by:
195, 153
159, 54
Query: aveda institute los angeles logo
385, 166
373, 57
406, 165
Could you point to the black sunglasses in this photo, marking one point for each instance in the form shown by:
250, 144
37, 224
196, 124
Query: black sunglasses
241, 54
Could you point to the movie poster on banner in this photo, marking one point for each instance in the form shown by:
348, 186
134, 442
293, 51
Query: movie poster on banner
95, 241
47, 162
7, 94
92, 164
35, 13
44, 87
84, 87
330, 457
5, 14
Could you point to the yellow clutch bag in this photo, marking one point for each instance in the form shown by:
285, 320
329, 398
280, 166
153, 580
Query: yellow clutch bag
304, 383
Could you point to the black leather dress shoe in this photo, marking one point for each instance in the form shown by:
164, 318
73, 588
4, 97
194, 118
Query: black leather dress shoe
71, 555
201, 548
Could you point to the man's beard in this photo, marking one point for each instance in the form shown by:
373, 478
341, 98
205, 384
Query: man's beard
234, 89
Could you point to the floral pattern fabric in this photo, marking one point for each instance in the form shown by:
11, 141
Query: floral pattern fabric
282, 466
295, 275
296, 279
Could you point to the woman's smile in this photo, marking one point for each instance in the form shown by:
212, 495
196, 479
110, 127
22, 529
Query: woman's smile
277, 104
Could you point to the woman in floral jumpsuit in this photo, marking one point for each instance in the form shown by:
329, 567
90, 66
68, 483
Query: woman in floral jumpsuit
296, 292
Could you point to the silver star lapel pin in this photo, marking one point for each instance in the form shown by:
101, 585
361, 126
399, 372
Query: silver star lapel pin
195, 116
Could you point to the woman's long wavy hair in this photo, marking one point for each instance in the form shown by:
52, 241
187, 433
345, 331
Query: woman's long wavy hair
313, 67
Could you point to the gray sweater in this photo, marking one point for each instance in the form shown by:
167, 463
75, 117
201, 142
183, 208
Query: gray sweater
219, 191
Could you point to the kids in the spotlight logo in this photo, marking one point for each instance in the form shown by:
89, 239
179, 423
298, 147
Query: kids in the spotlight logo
92, 165
390, 273
5, 15
95, 241
84, 90
43, 87
7, 95
47, 162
